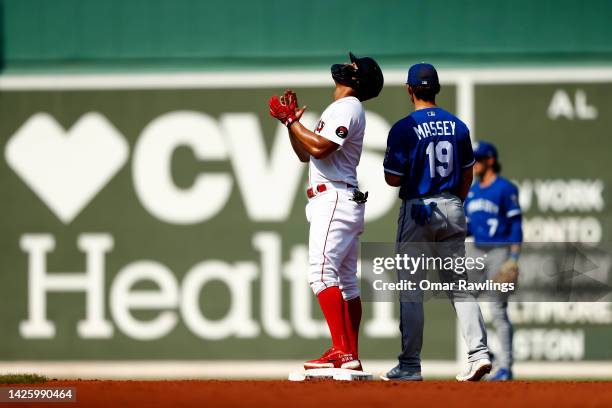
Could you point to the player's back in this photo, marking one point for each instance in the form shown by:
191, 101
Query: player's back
429, 148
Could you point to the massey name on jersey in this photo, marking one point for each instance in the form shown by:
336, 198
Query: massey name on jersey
437, 128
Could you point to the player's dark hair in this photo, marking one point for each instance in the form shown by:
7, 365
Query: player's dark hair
497, 167
425, 93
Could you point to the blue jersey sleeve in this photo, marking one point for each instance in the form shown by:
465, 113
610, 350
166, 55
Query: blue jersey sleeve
397, 153
511, 202
466, 154
513, 213
516, 230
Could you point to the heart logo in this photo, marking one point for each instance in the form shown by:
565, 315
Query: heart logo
66, 169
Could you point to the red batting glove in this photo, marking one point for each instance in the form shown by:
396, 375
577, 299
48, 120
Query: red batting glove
290, 99
282, 110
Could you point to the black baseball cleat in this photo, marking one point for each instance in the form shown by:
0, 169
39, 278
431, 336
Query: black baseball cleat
398, 374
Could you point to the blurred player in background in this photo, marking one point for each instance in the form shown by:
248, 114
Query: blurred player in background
429, 156
335, 207
494, 220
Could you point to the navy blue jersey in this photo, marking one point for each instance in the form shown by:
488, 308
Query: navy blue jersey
493, 212
428, 148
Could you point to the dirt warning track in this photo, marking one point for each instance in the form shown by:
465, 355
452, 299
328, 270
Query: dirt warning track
314, 394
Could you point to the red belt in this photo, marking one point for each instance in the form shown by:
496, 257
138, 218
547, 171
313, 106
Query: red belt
319, 188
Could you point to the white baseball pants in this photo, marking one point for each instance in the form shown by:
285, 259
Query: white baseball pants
336, 222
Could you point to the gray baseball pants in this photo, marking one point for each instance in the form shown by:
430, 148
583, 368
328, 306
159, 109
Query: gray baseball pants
495, 257
448, 227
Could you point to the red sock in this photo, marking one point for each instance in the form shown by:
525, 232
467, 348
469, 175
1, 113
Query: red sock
332, 305
352, 319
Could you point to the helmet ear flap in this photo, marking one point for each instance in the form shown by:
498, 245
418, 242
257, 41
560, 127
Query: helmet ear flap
345, 74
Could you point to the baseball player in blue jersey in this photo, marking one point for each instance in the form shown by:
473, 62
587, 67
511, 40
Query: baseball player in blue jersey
429, 156
494, 219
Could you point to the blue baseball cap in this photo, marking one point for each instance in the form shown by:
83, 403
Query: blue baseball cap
483, 150
423, 74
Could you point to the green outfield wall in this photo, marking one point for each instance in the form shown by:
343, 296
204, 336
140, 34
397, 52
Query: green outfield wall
143, 221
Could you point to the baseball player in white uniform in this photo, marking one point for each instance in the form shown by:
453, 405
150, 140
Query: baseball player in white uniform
335, 208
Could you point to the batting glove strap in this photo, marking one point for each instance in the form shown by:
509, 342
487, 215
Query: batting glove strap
290, 120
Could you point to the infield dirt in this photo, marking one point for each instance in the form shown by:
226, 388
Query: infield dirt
318, 394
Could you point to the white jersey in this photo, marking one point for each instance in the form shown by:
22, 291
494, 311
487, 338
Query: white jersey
343, 122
